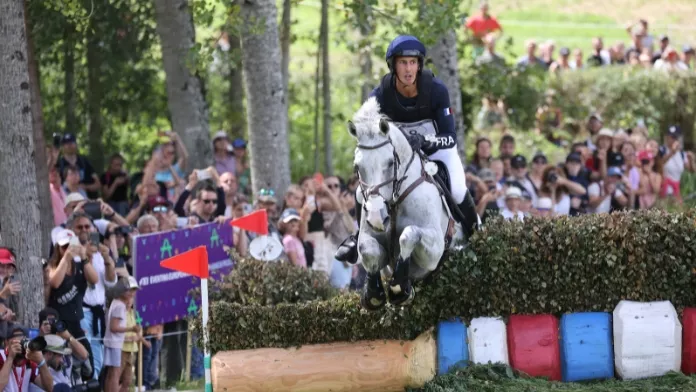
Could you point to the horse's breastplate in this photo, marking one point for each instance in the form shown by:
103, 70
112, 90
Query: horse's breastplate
424, 127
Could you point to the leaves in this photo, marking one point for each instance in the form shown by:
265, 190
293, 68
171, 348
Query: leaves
590, 273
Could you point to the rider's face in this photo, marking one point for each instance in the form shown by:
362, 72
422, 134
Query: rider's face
406, 69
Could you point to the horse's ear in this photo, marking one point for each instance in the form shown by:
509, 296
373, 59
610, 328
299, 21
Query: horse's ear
384, 126
351, 129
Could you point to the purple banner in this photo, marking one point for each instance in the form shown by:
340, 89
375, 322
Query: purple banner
164, 294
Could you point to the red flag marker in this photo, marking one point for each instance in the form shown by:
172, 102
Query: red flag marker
193, 262
256, 222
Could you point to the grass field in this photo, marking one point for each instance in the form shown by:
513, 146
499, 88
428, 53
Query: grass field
497, 378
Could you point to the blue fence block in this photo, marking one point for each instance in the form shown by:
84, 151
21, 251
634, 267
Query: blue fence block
452, 348
587, 351
33, 332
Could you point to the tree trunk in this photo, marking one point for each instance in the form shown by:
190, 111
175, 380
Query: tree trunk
236, 112
317, 107
366, 31
20, 216
326, 87
444, 56
44, 192
95, 129
69, 70
266, 105
185, 98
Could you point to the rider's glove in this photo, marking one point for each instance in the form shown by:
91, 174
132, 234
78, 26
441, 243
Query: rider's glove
416, 141
434, 143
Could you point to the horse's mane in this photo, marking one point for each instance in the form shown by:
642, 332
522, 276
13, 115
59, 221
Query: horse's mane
366, 121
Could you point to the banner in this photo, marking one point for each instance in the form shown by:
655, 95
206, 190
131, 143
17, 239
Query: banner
164, 294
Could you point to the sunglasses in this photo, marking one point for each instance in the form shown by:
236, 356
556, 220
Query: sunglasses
645, 161
160, 209
266, 192
209, 201
333, 186
83, 227
540, 161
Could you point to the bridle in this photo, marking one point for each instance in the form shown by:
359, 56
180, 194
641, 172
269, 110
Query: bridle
368, 190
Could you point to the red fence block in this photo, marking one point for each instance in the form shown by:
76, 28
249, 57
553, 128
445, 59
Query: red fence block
689, 341
533, 345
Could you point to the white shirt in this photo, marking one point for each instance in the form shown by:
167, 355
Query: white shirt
17, 371
667, 66
96, 295
597, 189
674, 168
562, 207
509, 215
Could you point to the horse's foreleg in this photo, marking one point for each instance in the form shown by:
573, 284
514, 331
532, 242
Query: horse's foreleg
400, 286
373, 257
426, 252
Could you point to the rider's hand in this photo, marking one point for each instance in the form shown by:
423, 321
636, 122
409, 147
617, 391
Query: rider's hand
416, 141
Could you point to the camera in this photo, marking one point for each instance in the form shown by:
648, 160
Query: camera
123, 230
36, 344
552, 177
58, 326
56, 140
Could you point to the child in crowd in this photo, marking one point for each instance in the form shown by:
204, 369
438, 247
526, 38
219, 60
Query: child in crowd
289, 225
116, 323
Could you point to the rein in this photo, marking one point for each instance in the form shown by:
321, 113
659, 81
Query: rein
393, 205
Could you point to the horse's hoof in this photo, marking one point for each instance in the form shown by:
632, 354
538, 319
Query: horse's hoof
402, 297
373, 302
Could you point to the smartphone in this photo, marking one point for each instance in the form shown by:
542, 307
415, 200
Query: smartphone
120, 263
94, 238
311, 200
93, 209
203, 175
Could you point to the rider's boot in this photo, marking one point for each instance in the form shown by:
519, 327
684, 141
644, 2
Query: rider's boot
373, 296
348, 250
401, 291
471, 218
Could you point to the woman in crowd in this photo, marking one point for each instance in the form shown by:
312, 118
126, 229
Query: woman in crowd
559, 189
482, 155
650, 180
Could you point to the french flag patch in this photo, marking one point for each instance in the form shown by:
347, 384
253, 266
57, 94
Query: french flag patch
448, 111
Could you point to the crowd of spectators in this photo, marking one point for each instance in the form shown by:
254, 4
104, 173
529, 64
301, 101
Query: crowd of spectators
610, 171
644, 50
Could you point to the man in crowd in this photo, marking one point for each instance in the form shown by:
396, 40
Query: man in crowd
94, 301
70, 157
481, 25
19, 369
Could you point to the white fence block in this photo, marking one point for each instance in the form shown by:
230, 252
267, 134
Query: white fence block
647, 339
488, 341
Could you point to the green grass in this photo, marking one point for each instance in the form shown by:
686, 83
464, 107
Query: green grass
499, 378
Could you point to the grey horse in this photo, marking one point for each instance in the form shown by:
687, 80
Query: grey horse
404, 213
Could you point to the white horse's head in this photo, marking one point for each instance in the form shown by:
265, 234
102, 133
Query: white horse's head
381, 148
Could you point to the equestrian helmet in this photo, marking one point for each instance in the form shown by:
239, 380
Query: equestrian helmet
405, 45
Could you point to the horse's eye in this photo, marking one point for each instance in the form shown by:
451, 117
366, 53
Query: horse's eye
355, 169
390, 163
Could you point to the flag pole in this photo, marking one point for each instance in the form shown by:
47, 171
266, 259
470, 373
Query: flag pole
206, 361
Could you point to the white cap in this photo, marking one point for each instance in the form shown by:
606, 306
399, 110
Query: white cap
220, 135
66, 237
131, 283
605, 132
74, 197
544, 203
513, 192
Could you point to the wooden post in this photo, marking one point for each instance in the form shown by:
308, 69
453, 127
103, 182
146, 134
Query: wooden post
187, 371
140, 366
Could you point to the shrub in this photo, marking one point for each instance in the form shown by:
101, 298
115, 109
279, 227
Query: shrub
255, 282
586, 263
